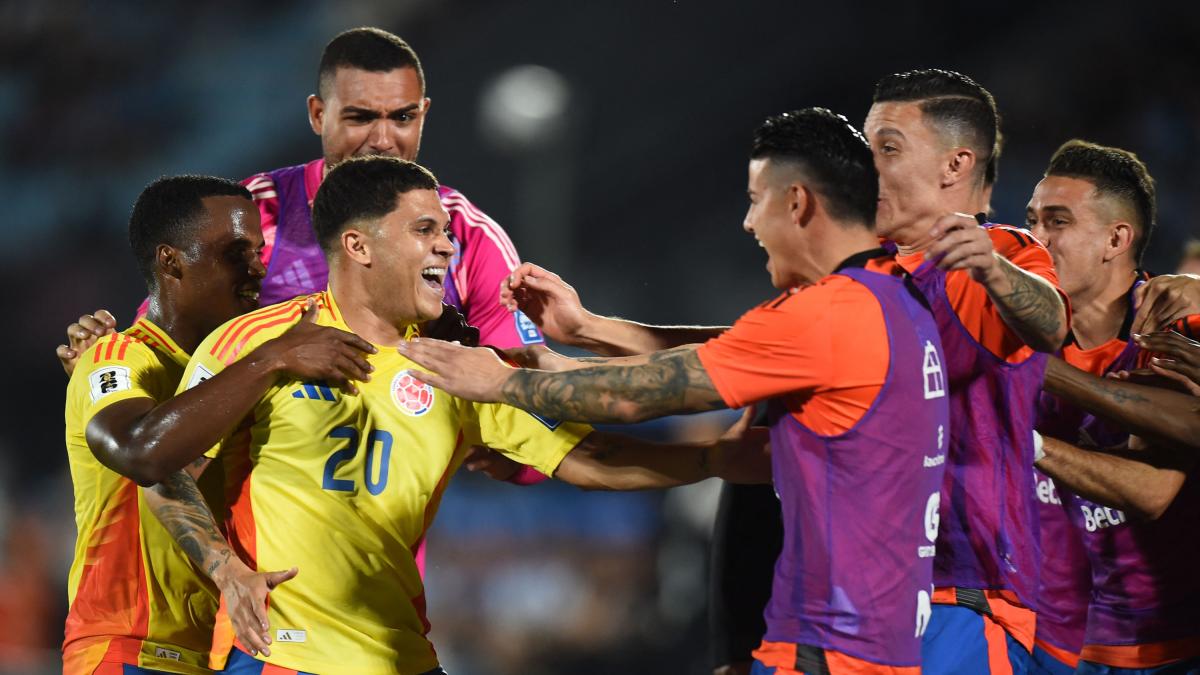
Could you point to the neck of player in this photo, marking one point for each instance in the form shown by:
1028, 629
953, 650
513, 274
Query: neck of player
916, 237
180, 324
365, 313
1098, 312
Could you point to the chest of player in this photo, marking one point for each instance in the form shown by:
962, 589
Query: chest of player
396, 440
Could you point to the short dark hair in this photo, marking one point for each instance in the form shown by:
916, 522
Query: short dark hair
952, 102
371, 49
1116, 173
830, 152
168, 212
363, 188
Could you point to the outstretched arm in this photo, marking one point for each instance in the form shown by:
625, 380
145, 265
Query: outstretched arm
1160, 415
147, 442
554, 306
1142, 482
604, 461
179, 506
669, 383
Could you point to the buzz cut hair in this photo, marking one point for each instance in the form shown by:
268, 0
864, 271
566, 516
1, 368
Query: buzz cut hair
833, 156
363, 190
1118, 174
957, 106
170, 211
371, 49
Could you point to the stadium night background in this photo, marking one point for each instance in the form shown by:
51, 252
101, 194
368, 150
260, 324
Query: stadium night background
609, 139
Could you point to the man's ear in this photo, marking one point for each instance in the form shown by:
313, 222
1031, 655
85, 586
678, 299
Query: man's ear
801, 203
316, 113
1120, 240
356, 246
960, 166
169, 261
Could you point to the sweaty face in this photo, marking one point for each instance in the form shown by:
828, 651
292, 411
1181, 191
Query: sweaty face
1074, 224
410, 256
911, 159
366, 113
769, 219
222, 272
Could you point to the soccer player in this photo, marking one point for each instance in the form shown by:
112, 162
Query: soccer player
936, 140
846, 358
1127, 581
345, 485
135, 599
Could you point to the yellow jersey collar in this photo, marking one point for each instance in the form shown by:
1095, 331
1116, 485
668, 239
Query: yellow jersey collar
330, 311
158, 339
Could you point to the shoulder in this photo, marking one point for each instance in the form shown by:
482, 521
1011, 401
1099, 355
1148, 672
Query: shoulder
476, 229
261, 187
1013, 241
244, 333
127, 348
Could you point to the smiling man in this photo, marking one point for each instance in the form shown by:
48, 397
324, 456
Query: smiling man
1117, 583
847, 358
345, 484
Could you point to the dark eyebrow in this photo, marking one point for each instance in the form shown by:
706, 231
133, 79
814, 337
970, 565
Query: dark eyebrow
375, 114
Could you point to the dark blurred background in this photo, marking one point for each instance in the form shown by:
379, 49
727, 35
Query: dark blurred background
608, 138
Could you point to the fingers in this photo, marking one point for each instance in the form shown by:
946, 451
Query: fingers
1176, 372
309, 313
106, 318
276, 578
361, 369
355, 341
435, 381
952, 222
250, 623
1172, 344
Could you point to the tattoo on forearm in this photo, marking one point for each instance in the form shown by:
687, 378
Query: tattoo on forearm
1031, 306
1121, 395
187, 517
673, 381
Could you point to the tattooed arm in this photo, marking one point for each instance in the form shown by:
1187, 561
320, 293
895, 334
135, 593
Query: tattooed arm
1160, 415
668, 383
179, 506
1141, 482
1029, 304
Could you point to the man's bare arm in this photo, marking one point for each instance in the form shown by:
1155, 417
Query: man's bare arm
1142, 482
1030, 306
554, 306
605, 461
179, 506
671, 382
1159, 415
148, 441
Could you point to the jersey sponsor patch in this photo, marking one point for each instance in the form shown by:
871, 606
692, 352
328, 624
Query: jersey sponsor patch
107, 380
931, 368
411, 396
527, 329
199, 375
291, 635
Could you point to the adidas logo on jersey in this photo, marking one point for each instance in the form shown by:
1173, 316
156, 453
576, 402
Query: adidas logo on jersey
316, 391
291, 635
167, 654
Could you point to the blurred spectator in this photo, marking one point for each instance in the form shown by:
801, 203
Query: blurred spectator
1190, 264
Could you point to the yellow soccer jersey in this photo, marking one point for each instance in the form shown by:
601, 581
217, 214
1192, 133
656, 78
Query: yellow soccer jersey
345, 487
134, 596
